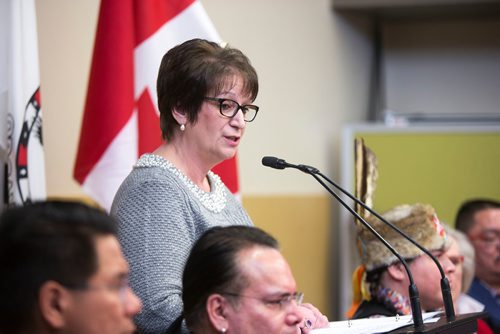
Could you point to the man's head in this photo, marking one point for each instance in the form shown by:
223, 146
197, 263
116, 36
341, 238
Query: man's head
62, 270
236, 281
480, 220
420, 222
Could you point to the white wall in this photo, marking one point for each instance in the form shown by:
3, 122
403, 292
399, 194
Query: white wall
66, 36
442, 67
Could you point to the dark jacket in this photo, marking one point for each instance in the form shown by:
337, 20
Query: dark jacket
372, 308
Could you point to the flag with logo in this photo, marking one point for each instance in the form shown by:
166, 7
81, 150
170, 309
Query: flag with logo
121, 118
21, 144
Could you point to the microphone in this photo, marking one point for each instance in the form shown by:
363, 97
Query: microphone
445, 284
276, 163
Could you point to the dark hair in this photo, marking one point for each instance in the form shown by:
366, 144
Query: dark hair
465, 216
212, 266
52, 240
194, 69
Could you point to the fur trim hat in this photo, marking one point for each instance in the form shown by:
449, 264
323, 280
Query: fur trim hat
418, 221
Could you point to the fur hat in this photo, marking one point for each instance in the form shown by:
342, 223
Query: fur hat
418, 221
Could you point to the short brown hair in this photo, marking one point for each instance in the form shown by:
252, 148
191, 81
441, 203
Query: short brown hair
193, 69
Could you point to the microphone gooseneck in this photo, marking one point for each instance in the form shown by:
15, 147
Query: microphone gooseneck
445, 284
413, 290
277, 163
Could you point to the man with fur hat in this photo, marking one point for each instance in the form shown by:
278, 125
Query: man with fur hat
382, 280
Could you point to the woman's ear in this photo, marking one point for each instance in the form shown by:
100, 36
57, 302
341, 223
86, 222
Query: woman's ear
180, 116
217, 312
53, 301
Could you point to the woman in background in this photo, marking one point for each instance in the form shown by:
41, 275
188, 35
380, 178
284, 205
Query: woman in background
461, 253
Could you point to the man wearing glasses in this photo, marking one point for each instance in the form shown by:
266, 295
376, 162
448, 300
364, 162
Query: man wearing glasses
236, 281
480, 220
63, 271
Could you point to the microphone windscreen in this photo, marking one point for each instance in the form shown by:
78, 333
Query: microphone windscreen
272, 162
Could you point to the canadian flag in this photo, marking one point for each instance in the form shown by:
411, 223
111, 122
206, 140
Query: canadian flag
21, 145
121, 119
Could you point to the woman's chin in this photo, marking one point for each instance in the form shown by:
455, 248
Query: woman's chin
228, 154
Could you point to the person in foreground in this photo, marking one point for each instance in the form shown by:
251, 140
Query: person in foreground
63, 272
237, 281
382, 287
205, 95
479, 219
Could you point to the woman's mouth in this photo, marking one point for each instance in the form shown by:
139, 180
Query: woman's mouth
233, 139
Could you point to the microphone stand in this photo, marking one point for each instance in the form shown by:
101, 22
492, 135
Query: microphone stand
466, 323
445, 284
416, 310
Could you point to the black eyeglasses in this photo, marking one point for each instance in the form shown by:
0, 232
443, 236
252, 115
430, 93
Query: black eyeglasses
229, 108
122, 288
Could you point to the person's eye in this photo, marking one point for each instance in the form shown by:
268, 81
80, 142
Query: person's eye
489, 237
118, 286
227, 105
245, 110
438, 255
275, 302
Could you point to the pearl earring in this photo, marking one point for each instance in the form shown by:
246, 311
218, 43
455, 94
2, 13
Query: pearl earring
223, 330
183, 127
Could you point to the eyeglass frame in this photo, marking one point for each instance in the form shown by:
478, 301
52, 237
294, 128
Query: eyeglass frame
282, 303
488, 237
221, 101
122, 288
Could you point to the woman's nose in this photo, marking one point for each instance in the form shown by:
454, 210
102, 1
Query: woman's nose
238, 119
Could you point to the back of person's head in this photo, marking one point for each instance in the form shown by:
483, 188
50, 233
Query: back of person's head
191, 71
212, 266
44, 241
465, 216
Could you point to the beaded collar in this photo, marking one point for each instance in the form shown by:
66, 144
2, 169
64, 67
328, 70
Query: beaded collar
392, 300
214, 201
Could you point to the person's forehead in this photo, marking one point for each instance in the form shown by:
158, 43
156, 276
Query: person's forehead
266, 269
424, 262
231, 82
454, 248
488, 218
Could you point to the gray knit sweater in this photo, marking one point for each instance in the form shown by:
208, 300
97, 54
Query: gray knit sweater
161, 214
